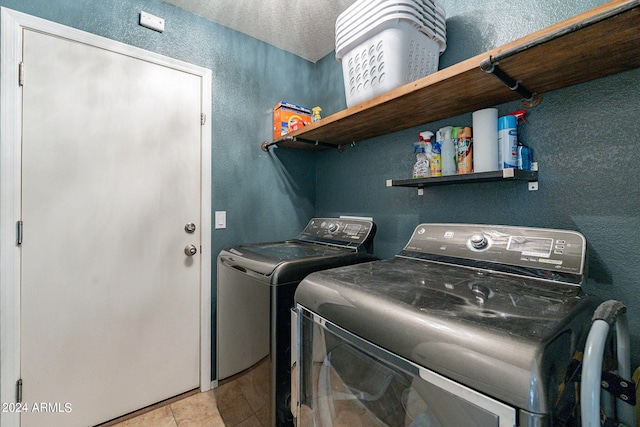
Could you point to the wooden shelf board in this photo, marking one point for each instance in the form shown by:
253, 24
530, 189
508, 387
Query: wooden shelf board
608, 46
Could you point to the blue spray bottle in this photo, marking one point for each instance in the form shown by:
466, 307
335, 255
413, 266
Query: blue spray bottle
525, 154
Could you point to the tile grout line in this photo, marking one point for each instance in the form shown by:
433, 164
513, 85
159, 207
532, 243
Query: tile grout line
173, 414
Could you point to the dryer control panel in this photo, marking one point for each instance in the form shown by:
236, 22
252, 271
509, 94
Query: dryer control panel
543, 249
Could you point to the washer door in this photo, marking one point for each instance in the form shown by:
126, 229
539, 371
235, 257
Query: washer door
345, 380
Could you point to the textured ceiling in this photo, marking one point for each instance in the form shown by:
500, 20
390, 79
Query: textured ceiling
303, 27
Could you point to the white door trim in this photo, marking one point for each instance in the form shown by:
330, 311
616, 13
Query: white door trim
12, 24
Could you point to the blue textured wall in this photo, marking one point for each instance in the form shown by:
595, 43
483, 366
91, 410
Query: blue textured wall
584, 137
267, 196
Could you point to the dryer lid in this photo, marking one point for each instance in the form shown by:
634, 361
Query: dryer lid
265, 258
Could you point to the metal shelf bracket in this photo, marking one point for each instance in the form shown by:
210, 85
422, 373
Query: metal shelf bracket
267, 145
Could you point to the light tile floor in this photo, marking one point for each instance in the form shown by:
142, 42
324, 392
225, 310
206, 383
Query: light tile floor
240, 401
198, 410
243, 400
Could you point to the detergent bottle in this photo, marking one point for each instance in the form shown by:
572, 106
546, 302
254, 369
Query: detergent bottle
422, 150
316, 114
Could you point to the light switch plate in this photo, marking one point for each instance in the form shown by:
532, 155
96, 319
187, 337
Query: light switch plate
150, 21
221, 219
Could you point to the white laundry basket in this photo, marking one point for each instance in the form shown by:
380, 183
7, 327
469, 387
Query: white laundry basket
398, 53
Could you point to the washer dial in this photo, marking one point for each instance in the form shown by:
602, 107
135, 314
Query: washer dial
479, 241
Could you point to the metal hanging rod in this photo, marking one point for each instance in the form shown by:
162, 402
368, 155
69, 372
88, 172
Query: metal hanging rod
490, 65
267, 145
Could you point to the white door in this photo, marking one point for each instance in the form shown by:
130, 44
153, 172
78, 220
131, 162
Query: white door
111, 171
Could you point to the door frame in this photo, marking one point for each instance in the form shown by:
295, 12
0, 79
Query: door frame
12, 24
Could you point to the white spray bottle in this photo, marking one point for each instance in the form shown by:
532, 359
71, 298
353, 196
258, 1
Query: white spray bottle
422, 150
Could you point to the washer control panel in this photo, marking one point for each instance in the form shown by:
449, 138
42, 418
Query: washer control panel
546, 249
351, 230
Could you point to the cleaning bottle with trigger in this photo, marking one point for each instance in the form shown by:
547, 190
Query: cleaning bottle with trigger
422, 150
524, 154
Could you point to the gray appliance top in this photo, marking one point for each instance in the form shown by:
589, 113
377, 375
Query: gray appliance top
324, 243
557, 255
497, 308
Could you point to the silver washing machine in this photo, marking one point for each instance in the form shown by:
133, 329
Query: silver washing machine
469, 325
256, 285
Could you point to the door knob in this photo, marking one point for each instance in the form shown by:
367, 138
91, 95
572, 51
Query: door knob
190, 250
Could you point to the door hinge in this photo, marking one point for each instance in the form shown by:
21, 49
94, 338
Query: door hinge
203, 119
21, 74
19, 232
19, 391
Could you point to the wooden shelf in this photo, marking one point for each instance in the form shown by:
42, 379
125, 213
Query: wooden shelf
594, 44
493, 176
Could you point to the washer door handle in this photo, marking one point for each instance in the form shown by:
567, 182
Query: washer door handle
190, 250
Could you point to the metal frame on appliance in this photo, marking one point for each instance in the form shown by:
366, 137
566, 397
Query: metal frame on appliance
608, 314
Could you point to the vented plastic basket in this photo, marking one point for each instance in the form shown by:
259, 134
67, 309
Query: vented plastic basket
361, 7
351, 38
431, 18
398, 53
